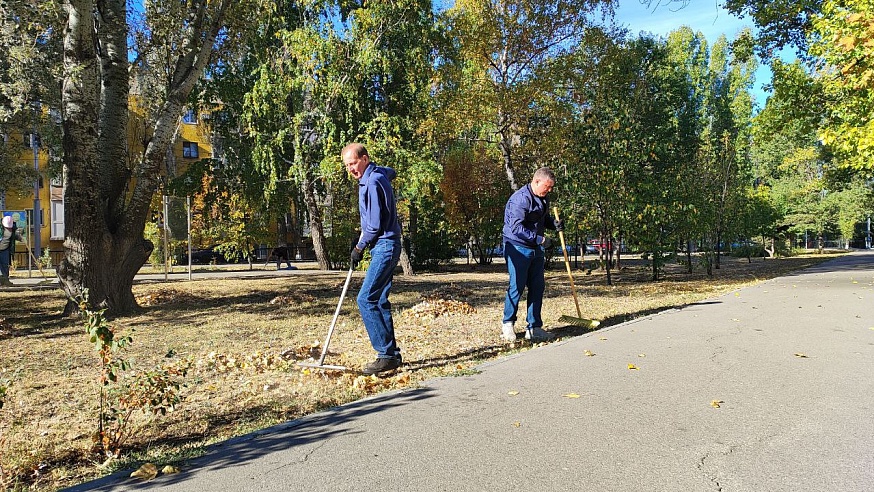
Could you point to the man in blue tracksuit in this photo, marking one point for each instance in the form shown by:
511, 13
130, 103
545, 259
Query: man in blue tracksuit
525, 218
381, 232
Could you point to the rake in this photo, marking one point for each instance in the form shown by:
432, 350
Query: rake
45, 279
321, 364
578, 320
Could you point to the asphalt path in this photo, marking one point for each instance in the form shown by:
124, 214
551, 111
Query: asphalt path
789, 362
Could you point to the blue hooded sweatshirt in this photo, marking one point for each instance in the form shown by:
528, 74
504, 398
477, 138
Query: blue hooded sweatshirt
376, 205
526, 215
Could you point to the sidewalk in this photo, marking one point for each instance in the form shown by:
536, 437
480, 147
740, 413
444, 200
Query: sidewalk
790, 362
199, 272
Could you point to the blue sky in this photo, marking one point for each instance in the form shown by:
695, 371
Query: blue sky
705, 16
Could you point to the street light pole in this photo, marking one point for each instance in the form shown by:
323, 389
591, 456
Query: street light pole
37, 223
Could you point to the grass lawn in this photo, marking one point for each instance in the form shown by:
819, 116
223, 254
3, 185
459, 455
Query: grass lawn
242, 337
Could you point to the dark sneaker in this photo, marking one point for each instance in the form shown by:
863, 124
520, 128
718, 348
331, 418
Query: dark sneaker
382, 365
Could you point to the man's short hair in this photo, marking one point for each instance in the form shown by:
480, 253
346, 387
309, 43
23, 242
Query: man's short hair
544, 173
357, 148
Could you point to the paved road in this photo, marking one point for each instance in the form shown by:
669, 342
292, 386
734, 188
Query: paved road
791, 360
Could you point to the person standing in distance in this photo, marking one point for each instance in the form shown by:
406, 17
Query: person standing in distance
525, 218
8, 235
381, 232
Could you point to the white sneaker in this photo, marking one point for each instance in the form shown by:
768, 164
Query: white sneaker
538, 335
507, 332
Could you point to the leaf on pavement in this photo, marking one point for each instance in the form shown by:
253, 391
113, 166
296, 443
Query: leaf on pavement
632, 367
169, 470
146, 472
602, 338
571, 395
513, 393
800, 355
641, 355
715, 403
589, 353
517, 424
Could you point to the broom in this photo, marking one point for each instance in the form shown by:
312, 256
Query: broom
45, 280
579, 320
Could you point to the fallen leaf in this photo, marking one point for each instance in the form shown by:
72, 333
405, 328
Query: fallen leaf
517, 424
602, 338
632, 367
800, 355
146, 472
735, 319
571, 395
737, 294
513, 393
641, 355
715, 403
169, 470
589, 353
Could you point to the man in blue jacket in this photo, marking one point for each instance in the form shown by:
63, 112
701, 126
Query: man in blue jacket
525, 218
381, 232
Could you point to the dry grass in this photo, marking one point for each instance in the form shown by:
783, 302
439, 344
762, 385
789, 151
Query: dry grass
236, 331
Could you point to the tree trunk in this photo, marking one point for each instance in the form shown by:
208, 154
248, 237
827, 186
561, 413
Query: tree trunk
506, 146
99, 257
406, 264
316, 228
104, 247
689, 256
718, 247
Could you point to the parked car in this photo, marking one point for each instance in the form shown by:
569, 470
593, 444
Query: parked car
206, 256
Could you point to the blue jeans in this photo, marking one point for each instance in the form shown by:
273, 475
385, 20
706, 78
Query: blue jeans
526, 267
373, 298
4, 262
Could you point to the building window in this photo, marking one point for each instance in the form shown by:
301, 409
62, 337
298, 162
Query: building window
189, 150
190, 117
57, 213
26, 140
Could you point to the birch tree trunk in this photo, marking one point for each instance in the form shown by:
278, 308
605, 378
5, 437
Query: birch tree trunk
106, 202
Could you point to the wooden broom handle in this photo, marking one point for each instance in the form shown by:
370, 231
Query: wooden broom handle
567, 264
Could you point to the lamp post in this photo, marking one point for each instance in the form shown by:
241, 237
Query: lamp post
37, 223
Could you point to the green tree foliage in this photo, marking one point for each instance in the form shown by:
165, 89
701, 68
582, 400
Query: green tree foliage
30, 62
780, 24
475, 192
501, 53
844, 42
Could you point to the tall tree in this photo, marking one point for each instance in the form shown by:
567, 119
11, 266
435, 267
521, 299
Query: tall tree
504, 48
844, 42
108, 195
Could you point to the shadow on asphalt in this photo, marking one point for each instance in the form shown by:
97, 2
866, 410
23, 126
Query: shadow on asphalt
304, 432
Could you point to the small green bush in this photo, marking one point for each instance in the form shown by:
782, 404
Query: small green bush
749, 250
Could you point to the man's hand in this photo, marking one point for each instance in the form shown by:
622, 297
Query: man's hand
355, 257
546, 243
559, 225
